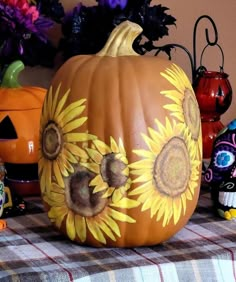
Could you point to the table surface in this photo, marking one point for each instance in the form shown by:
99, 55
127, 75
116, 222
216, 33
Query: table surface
204, 250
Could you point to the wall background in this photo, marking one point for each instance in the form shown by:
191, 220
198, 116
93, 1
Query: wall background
186, 13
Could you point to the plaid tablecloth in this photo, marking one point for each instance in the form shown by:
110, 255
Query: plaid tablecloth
204, 250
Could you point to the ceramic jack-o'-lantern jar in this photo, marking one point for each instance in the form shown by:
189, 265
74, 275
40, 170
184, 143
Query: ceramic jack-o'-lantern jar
20, 111
120, 146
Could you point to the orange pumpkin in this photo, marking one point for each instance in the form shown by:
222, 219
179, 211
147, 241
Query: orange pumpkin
120, 146
20, 111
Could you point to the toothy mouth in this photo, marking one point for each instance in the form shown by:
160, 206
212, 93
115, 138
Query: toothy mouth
227, 199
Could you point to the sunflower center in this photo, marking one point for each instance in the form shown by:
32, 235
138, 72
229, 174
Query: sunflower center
191, 113
172, 168
80, 196
112, 171
51, 141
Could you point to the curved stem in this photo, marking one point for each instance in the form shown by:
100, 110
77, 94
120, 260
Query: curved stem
10, 77
121, 40
209, 42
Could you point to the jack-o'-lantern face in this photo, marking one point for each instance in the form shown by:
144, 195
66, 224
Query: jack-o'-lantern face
20, 111
221, 173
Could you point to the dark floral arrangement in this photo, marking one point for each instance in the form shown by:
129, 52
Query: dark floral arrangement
23, 34
86, 29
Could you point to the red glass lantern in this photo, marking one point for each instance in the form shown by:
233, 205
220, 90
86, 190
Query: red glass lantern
214, 95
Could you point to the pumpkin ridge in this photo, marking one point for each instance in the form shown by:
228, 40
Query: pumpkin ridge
89, 101
139, 95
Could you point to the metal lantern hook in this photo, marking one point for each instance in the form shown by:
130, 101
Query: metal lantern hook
193, 57
222, 54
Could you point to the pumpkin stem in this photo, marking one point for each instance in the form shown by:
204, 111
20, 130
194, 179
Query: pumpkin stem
10, 77
121, 40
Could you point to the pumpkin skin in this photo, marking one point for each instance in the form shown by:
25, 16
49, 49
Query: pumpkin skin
20, 110
124, 169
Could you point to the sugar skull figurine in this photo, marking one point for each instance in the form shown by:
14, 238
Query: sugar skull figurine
221, 172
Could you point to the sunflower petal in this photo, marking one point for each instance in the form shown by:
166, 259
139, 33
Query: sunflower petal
111, 223
106, 229
61, 103
76, 150
95, 155
121, 216
74, 124
70, 225
78, 137
125, 203
95, 230
114, 146
80, 227
58, 175
102, 147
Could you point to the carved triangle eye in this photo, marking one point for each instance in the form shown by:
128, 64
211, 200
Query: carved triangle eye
7, 129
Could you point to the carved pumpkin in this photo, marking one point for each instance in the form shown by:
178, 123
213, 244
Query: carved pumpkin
20, 110
120, 146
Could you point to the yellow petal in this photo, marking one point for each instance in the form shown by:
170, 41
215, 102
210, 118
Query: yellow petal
177, 208
145, 177
70, 157
142, 188
57, 198
74, 124
121, 147
144, 153
61, 104
76, 150
106, 230
111, 223
143, 164
58, 213
58, 175
108, 192
102, 147
100, 187
49, 104
183, 199
158, 204
62, 168
64, 162
95, 155
71, 111
174, 95
120, 216
70, 225
55, 99
153, 146
95, 230
78, 137
80, 227
173, 107
114, 146
125, 203
125, 171
149, 202
168, 212
122, 158
143, 198
92, 167
117, 195
97, 180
